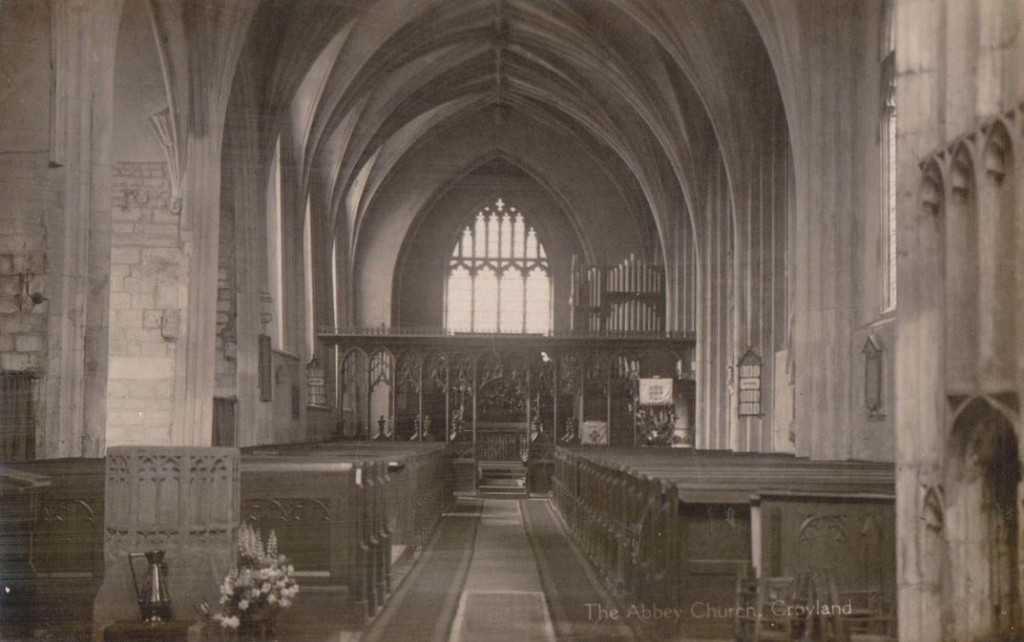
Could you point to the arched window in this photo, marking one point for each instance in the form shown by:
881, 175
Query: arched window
887, 140
499, 279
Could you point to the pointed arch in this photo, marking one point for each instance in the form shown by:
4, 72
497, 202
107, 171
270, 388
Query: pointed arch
998, 238
982, 517
961, 267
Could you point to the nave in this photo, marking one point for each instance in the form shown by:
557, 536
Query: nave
502, 570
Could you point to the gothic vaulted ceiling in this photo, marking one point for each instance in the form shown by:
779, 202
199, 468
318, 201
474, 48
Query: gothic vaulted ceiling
648, 96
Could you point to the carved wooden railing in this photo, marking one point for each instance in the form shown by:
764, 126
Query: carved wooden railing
429, 331
501, 445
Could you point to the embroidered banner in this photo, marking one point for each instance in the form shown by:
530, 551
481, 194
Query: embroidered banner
594, 433
656, 392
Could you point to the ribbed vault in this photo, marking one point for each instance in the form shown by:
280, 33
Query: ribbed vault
656, 127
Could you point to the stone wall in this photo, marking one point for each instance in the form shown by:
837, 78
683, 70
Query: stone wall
146, 291
953, 87
22, 263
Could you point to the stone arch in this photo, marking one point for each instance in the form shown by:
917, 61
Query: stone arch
961, 268
381, 390
997, 238
353, 377
981, 521
931, 225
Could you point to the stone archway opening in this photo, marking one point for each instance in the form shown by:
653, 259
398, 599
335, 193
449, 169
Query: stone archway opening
983, 474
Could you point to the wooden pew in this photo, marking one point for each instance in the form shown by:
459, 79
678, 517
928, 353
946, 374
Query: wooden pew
51, 538
383, 495
688, 523
338, 509
419, 484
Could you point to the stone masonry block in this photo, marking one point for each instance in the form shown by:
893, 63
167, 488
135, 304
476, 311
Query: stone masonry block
127, 318
11, 324
155, 389
151, 318
119, 214
29, 343
143, 301
143, 368
21, 361
165, 217
116, 343
155, 229
120, 301
143, 240
163, 255
124, 255
34, 262
150, 349
167, 297
11, 243
10, 285
119, 272
134, 285
9, 305
138, 333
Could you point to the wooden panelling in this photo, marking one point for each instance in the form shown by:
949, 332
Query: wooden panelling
681, 527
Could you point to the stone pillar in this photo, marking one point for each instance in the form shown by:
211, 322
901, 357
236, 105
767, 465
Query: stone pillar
78, 226
199, 44
184, 501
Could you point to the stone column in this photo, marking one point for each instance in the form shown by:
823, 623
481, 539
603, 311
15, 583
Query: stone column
78, 238
199, 44
184, 501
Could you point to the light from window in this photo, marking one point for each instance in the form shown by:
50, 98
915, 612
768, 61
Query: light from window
274, 246
498, 276
307, 266
889, 221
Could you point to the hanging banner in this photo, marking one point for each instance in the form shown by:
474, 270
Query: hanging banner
656, 392
594, 433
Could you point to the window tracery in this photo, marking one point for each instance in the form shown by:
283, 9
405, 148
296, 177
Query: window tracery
499, 278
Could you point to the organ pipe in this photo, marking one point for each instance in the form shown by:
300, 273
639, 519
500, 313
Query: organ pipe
623, 298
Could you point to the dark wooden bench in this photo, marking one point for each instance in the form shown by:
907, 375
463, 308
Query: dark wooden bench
51, 544
338, 510
674, 526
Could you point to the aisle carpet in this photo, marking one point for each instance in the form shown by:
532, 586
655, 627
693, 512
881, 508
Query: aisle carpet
499, 570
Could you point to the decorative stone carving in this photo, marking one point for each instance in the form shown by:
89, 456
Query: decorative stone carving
184, 501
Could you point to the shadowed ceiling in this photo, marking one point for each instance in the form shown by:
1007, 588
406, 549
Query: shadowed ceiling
653, 96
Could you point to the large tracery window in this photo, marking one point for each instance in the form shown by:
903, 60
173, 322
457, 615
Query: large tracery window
499, 279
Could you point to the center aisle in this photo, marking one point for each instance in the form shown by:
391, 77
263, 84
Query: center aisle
498, 570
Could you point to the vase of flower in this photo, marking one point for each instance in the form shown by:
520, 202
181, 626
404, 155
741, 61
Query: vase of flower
257, 589
257, 627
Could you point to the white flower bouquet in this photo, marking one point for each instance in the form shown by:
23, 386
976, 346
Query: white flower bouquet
260, 585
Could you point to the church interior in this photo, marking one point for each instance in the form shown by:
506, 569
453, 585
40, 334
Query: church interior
511, 320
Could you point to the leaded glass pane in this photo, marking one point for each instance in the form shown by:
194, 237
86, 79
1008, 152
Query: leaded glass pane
498, 279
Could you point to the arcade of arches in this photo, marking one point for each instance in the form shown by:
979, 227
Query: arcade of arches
245, 223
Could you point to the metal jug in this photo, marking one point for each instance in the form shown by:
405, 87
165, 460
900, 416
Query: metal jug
154, 600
